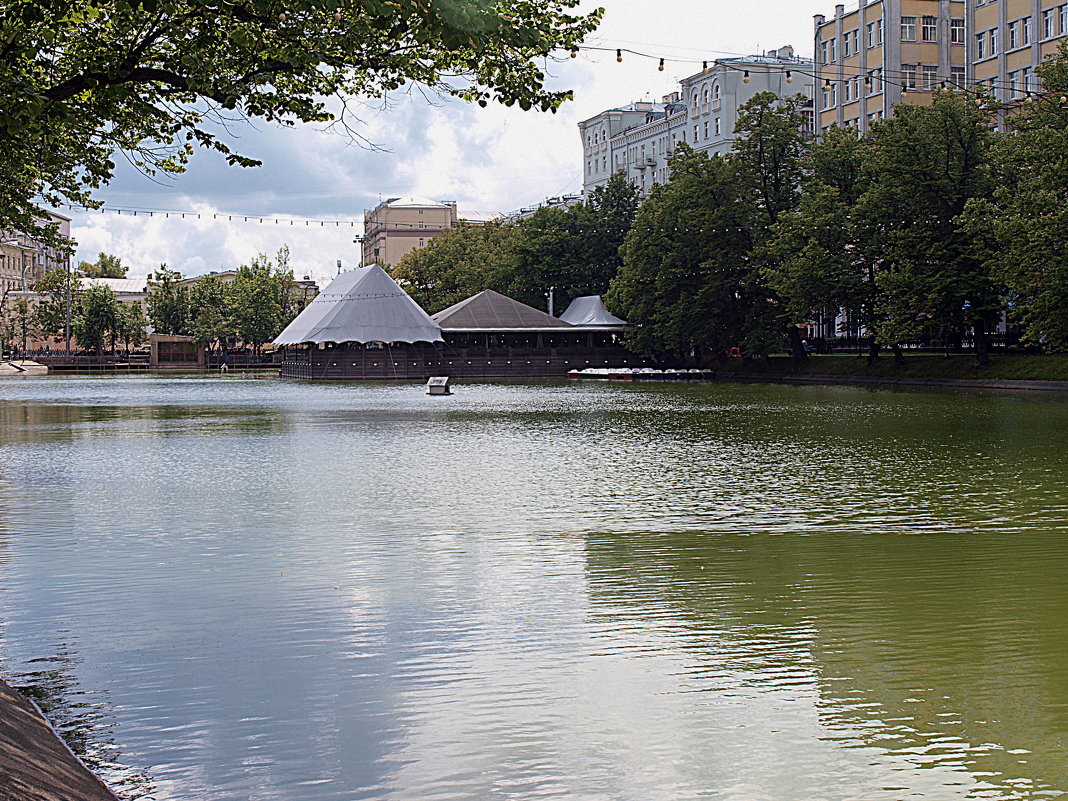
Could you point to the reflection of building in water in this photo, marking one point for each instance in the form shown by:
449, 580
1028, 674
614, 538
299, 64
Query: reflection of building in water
942, 655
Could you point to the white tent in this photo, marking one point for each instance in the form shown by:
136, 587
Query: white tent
589, 311
364, 305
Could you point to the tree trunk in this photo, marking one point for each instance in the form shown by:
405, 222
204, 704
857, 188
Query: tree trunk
899, 355
797, 347
982, 344
873, 349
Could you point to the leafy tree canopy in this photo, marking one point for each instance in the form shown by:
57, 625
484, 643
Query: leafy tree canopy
105, 266
83, 79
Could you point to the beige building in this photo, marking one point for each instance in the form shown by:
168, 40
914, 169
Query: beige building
885, 52
24, 259
398, 226
1007, 40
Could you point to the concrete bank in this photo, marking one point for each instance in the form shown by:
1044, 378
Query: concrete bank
1056, 387
35, 765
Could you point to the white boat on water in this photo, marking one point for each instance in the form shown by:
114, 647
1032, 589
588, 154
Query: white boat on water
22, 367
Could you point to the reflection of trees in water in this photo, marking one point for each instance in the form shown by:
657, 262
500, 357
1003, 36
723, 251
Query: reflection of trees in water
44, 422
81, 718
942, 651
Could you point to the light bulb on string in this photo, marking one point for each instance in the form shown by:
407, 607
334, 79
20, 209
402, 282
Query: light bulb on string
574, 52
789, 76
704, 67
661, 67
745, 77
619, 56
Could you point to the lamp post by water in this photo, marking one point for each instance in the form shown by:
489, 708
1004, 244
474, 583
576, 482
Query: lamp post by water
66, 323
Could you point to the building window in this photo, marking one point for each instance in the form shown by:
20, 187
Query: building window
908, 76
879, 31
1064, 20
847, 92
980, 46
1026, 30
930, 78
871, 34
930, 29
956, 31
957, 75
706, 130
1014, 36
993, 41
845, 45
908, 29
824, 52
717, 126
834, 49
422, 242
1047, 24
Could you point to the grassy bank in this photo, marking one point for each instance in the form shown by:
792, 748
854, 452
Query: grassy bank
1005, 368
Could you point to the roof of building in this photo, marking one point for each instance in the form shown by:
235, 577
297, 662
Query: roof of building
590, 311
492, 311
120, 286
364, 305
414, 202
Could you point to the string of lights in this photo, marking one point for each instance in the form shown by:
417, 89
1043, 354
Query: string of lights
907, 81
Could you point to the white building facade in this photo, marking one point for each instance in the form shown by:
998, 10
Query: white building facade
638, 139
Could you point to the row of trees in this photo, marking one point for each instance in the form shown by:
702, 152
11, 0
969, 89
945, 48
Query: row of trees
929, 224
254, 308
262, 299
97, 318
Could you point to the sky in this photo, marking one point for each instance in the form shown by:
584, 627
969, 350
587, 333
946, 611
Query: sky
315, 183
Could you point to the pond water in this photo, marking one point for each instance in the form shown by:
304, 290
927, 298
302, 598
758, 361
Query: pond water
243, 588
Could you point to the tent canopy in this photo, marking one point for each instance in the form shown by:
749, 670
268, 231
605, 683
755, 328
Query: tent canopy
492, 311
363, 305
590, 311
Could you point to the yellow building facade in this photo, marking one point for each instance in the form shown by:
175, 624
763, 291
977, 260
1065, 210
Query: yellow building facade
874, 55
871, 57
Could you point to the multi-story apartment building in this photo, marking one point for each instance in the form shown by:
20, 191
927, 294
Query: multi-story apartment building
24, 258
885, 52
398, 226
1007, 40
638, 139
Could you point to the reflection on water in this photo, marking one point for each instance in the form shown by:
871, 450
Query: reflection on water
263, 590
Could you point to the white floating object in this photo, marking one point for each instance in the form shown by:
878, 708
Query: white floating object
438, 385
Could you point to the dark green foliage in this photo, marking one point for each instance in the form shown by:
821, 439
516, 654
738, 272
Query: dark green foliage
683, 283
168, 302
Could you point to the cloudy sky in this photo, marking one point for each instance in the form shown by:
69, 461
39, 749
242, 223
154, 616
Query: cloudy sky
315, 183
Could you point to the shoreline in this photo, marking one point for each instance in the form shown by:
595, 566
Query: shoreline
1024, 385
35, 763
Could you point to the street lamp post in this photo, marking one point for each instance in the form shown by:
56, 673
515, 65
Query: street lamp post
66, 325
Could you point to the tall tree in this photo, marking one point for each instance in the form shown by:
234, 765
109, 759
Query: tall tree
255, 307
57, 291
209, 321
97, 319
926, 163
816, 260
1021, 232
168, 302
81, 79
769, 150
132, 325
685, 261
105, 266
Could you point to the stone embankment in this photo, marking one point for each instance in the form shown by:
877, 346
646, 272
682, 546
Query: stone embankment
35, 765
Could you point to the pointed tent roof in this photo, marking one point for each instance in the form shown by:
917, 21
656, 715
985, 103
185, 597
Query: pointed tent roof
590, 311
492, 311
363, 305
